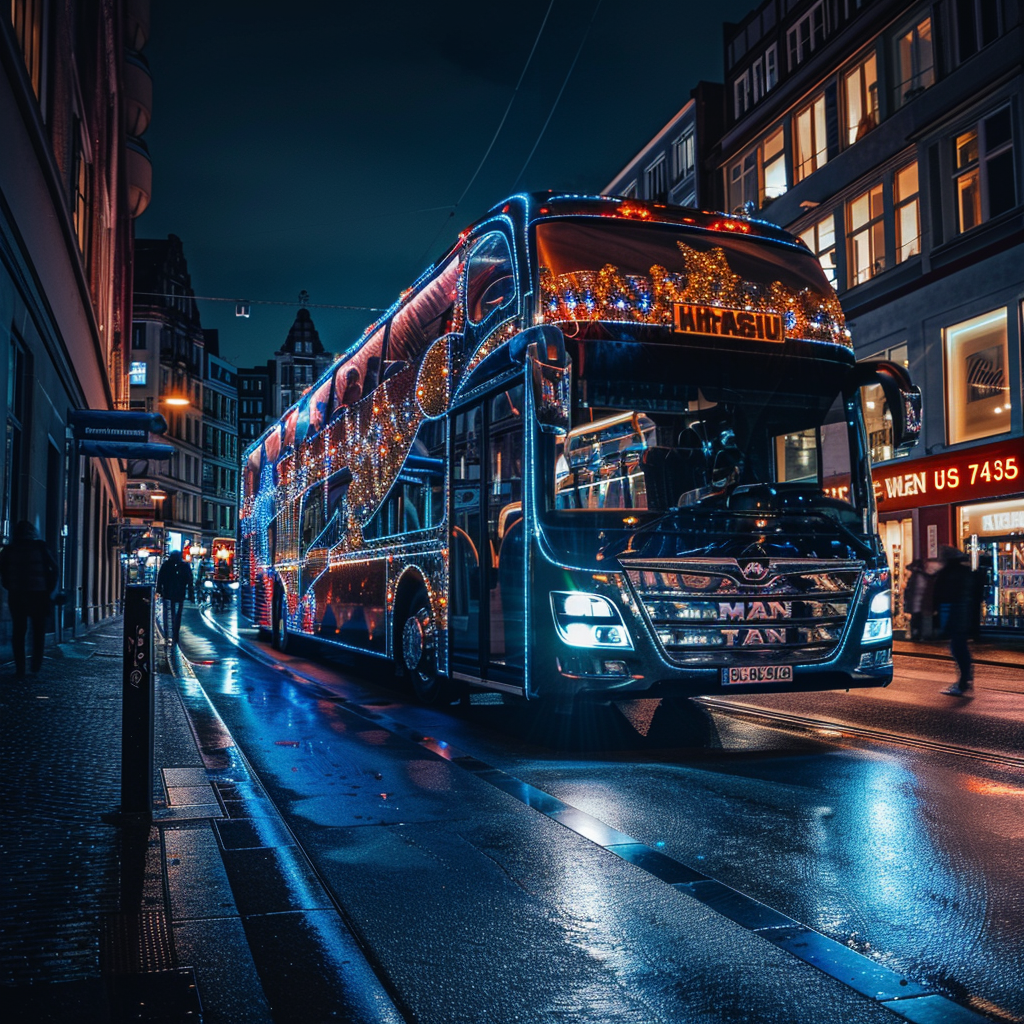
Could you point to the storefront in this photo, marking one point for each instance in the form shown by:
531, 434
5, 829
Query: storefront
972, 499
993, 534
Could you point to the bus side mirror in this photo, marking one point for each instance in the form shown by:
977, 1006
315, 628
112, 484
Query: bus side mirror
550, 372
901, 395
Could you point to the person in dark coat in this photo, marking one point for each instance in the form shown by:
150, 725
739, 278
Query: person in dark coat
174, 583
956, 594
914, 596
29, 575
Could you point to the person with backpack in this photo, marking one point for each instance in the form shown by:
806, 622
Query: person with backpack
174, 583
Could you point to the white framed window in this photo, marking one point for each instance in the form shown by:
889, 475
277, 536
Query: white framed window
742, 184
915, 60
820, 238
771, 67
866, 231
741, 94
860, 86
984, 175
978, 400
810, 141
656, 180
683, 154
907, 205
806, 35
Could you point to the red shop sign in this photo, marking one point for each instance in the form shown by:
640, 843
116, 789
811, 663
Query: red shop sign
978, 474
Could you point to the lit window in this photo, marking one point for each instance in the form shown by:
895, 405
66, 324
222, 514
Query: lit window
27, 18
908, 212
137, 373
984, 171
867, 236
743, 184
978, 398
861, 99
915, 61
820, 238
810, 137
774, 165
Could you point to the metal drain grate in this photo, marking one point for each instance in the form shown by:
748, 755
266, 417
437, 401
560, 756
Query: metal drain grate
136, 943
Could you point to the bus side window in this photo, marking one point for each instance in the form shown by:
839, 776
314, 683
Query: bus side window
312, 522
491, 279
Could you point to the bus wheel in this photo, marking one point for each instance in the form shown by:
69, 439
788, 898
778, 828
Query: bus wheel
279, 621
419, 653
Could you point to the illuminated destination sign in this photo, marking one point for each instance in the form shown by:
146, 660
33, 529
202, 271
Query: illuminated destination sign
691, 318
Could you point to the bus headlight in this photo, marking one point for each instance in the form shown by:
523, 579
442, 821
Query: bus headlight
588, 620
881, 604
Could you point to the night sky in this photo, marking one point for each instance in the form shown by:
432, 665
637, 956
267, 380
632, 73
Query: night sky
321, 146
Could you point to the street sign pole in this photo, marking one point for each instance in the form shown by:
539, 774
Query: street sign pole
137, 699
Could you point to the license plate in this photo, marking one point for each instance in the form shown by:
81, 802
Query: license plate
758, 674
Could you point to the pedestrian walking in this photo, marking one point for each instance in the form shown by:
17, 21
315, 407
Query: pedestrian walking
29, 575
914, 595
956, 594
174, 583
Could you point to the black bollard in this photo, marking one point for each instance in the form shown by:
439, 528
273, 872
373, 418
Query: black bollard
137, 699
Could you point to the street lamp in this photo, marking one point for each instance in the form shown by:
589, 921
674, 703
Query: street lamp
176, 400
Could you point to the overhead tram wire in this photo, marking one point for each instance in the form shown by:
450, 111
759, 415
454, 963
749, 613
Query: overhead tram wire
494, 139
263, 302
568, 75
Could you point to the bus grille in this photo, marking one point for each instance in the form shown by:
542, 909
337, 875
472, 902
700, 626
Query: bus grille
713, 613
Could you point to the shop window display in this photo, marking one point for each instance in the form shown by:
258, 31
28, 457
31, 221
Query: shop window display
978, 400
993, 535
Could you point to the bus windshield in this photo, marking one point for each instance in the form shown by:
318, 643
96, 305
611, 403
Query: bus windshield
601, 269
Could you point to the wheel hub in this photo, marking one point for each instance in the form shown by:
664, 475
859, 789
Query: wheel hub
414, 642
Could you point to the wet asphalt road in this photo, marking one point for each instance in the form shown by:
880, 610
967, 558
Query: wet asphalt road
478, 908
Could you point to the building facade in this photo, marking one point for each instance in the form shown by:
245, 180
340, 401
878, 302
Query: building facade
255, 404
166, 373
72, 85
669, 169
220, 445
889, 137
297, 363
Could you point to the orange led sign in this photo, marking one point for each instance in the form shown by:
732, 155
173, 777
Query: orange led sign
691, 318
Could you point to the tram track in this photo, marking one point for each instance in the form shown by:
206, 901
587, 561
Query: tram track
906, 997
828, 730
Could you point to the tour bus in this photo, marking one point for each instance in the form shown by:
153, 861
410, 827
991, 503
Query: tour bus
602, 448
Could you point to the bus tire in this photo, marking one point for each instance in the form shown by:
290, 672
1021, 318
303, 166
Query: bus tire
418, 653
279, 621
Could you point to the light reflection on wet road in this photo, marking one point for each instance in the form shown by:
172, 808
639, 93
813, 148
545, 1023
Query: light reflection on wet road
913, 858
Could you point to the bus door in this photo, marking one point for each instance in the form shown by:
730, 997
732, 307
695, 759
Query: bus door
487, 600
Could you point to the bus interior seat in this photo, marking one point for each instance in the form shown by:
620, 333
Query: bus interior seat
668, 472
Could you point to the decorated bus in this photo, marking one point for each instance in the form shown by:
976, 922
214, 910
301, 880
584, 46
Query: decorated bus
588, 452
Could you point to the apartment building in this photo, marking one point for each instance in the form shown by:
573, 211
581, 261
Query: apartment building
888, 135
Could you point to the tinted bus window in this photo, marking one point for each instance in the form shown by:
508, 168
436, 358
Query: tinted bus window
491, 282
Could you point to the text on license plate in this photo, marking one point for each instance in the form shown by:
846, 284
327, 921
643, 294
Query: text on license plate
758, 674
